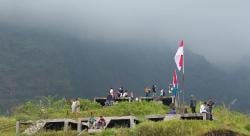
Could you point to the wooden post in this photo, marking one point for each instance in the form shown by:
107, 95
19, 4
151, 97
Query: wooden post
17, 128
66, 125
79, 126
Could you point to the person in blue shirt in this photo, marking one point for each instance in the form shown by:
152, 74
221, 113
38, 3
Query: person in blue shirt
175, 90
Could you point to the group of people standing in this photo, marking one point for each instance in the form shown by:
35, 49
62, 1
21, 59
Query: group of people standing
206, 107
172, 90
153, 90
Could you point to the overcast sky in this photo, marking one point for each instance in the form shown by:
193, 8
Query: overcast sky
216, 29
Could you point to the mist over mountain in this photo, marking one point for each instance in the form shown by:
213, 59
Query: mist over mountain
220, 28
35, 62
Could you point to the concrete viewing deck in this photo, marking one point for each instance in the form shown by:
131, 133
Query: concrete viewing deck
111, 122
194, 116
102, 100
68, 124
166, 100
48, 124
155, 118
82, 125
186, 116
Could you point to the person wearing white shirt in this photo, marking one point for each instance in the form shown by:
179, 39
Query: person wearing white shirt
203, 108
162, 92
111, 91
73, 106
125, 94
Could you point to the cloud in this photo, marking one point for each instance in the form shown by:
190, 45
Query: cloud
218, 30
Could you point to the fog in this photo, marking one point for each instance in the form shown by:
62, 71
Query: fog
216, 29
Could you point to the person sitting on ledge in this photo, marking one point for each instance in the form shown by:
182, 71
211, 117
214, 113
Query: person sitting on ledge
172, 112
203, 108
120, 90
101, 123
91, 121
125, 94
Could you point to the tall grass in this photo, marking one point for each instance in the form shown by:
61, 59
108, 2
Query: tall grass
231, 119
126, 108
7, 126
224, 120
61, 109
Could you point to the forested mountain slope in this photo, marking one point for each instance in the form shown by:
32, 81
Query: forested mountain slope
36, 62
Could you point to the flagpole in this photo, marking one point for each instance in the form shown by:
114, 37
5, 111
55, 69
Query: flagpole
183, 77
179, 60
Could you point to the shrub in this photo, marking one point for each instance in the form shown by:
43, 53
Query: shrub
247, 127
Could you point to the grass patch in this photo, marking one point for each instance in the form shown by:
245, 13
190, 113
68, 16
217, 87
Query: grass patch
174, 128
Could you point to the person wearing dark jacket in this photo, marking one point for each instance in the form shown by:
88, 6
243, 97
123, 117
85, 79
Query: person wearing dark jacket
210, 105
193, 104
109, 100
154, 90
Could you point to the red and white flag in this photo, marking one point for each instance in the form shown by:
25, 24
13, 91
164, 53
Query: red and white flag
179, 60
175, 79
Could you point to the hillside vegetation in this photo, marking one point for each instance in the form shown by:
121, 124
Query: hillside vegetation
42, 62
227, 122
